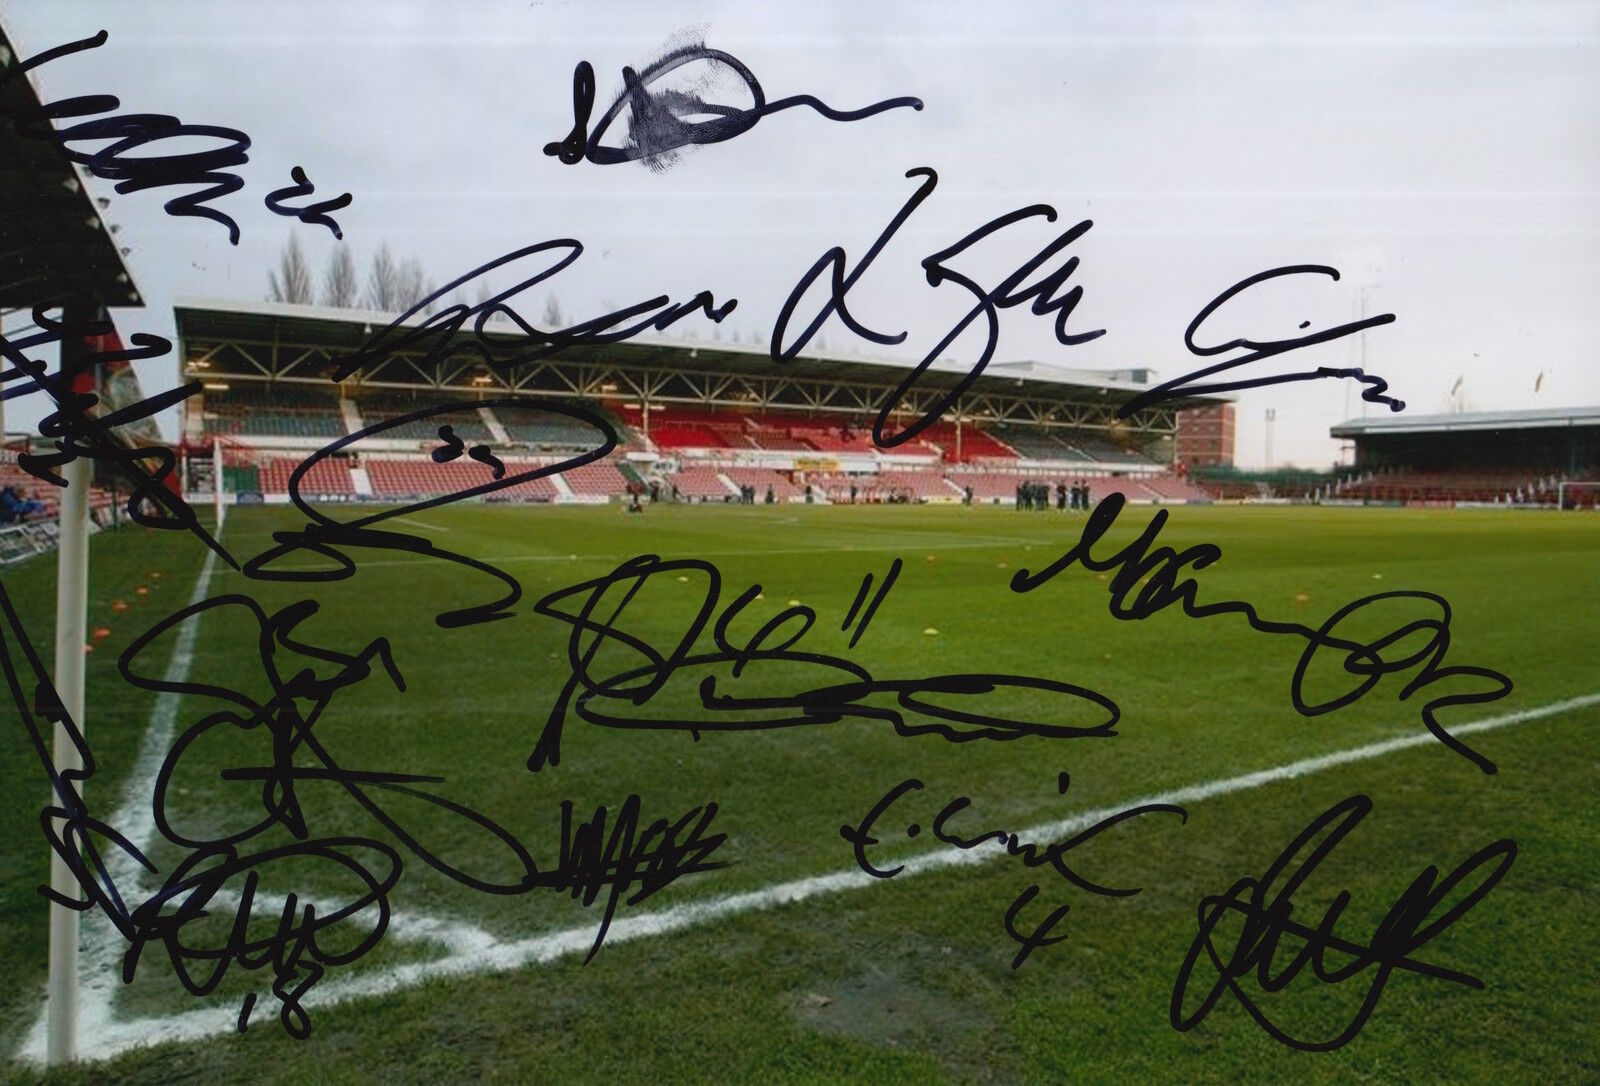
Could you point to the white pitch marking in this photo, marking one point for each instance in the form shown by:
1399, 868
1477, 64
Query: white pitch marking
746, 553
135, 818
424, 525
473, 951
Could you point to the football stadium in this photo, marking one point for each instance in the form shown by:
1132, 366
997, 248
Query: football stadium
462, 703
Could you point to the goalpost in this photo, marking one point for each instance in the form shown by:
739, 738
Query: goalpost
218, 503
1578, 494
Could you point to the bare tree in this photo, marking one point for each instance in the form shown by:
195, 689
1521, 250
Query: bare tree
291, 282
339, 283
552, 313
383, 282
410, 284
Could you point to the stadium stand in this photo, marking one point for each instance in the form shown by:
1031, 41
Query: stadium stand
323, 477
1040, 444
1166, 487
987, 486
377, 407
835, 438
716, 425
545, 429
1502, 457
271, 411
422, 478
597, 480
776, 439
920, 485
701, 484
1107, 452
1460, 486
975, 443
761, 478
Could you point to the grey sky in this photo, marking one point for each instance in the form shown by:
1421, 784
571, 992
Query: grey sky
1444, 156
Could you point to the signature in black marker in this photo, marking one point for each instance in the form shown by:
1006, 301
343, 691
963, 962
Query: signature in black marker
661, 121
313, 214
445, 334
1052, 855
949, 706
608, 857
601, 858
129, 132
327, 538
1268, 918
1148, 580
453, 447
1259, 349
87, 344
1047, 294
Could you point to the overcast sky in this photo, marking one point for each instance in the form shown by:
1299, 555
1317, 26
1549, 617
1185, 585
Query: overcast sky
1444, 156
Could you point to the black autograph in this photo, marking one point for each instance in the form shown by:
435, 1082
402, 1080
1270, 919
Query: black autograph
132, 131
660, 122
312, 214
595, 610
87, 345
1147, 580
612, 858
1052, 855
453, 447
1268, 916
1259, 349
602, 857
1046, 295
443, 334
119, 161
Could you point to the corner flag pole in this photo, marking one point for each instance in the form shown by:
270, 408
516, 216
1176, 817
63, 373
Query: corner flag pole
72, 599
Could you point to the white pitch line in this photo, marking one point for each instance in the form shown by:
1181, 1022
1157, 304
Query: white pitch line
424, 525
135, 817
472, 951
746, 553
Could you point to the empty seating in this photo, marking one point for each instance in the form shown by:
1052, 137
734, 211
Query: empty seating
975, 444
1440, 486
919, 485
1037, 444
761, 478
329, 476
700, 484
422, 478
1168, 488
272, 411
464, 420
547, 429
600, 478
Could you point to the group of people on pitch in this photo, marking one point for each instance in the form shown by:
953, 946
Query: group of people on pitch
1036, 495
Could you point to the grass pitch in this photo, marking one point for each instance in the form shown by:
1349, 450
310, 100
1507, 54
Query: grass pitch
908, 979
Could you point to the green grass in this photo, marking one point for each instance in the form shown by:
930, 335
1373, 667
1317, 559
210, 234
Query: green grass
908, 980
